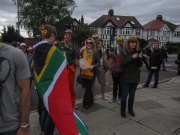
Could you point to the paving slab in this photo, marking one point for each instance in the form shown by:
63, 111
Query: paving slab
169, 103
94, 108
107, 104
153, 97
173, 118
161, 124
176, 80
165, 111
107, 117
140, 113
140, 98
133, 128
95, 128
35, 128
164, 96
149, 105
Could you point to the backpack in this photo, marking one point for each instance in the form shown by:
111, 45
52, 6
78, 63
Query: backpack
117, 69
30, 58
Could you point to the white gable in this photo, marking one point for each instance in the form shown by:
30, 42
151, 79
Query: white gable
165, 28
128, 25
178, 28
109, 24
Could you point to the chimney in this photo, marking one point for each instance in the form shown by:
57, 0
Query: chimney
159, 17
82, 19
111, 12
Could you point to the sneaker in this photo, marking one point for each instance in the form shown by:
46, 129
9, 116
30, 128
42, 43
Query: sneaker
113, 99
144, 85
119, 100
75, 106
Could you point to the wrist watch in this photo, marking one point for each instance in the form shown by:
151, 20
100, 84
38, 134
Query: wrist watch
27, 127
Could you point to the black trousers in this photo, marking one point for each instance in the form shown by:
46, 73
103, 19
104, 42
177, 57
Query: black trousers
88, 95
178, 69
146, 63
116, 85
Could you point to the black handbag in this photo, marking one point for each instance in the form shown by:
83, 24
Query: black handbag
176, 62
79, 80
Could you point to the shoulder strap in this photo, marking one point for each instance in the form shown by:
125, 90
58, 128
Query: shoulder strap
124, 52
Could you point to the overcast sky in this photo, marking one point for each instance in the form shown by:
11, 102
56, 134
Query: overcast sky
143, 10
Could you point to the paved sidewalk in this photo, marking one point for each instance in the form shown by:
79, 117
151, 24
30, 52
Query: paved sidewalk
157, 113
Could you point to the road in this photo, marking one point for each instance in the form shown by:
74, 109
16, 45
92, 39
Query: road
171, 71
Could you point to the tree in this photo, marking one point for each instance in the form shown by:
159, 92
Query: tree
10, 34
83, 31
142, 42
34, 13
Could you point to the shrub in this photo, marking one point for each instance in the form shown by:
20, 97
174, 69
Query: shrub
171, 49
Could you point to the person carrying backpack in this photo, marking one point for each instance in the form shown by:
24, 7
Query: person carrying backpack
116, 74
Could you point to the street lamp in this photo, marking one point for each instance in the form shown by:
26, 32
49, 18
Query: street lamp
18, 16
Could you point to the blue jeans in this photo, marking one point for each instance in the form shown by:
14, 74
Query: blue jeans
128, 89
14, 132
47, 125
163, 64
156, 77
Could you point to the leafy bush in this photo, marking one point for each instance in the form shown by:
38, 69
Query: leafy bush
173, 44
171, 49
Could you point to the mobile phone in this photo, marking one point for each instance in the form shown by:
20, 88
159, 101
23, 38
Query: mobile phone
140, 52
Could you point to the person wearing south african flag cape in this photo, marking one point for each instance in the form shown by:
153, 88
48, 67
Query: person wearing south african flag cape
70, 53
51, 80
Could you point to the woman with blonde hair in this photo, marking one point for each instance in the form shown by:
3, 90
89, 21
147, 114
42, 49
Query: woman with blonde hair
131, 61
90, 54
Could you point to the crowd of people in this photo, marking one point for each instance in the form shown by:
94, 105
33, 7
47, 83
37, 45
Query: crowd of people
123, 60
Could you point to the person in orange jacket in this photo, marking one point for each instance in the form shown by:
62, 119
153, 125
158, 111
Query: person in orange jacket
70, 53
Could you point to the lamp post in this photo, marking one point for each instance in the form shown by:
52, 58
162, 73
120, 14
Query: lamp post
18, 16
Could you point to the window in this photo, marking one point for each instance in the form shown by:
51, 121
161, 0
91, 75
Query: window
126, 31
138, 32
106, 30
118, 18
152, 33
95, 30
159, 33
132, 22
177, 34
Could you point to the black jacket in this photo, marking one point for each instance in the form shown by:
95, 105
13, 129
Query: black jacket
156, 59
131, 72
164, 52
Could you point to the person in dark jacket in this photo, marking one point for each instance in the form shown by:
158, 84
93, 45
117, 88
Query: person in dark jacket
178, 59
154, 66
131, 60
91, 55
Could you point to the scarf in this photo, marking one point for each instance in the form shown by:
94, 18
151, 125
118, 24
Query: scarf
86, 73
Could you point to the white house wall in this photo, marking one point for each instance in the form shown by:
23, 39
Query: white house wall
106, 37
175, 39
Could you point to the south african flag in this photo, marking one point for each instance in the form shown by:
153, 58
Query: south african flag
51, 81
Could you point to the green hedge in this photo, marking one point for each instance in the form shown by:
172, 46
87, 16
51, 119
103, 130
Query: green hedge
173, 44
172, 49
